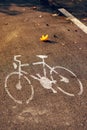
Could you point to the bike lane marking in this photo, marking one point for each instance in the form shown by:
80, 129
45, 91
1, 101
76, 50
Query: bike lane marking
44, 81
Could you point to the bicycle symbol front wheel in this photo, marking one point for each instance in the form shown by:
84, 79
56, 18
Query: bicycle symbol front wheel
19, 94
66, 81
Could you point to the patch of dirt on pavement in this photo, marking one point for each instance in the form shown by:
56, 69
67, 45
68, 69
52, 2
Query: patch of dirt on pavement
67, 46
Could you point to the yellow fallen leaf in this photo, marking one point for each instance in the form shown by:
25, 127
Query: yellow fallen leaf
44, 37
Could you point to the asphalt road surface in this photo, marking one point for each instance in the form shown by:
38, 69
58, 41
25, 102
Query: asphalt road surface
51, 96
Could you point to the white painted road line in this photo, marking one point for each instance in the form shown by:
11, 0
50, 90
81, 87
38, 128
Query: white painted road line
74, 20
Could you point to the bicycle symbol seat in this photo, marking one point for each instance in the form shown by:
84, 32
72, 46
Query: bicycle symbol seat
42, 56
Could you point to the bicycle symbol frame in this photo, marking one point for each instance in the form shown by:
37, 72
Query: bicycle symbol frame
43, 80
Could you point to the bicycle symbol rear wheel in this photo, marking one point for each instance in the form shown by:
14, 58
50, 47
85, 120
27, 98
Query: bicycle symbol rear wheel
66, 81
23, 94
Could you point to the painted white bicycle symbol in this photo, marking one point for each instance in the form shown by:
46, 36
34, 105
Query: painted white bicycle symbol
45, 82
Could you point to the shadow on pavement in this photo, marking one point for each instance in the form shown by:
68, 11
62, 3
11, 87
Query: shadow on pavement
78, 8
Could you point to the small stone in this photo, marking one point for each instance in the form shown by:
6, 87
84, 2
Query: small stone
81, 124
68, 29
34, 7
67, 18
80, 48
47, 24
23, 9
54, 15
38, 24
85, 19
6, 23
67, 123
63, 44
40, 16
14, 107
55, 36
